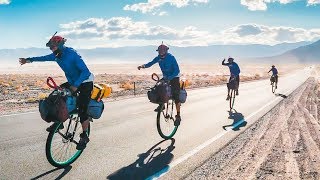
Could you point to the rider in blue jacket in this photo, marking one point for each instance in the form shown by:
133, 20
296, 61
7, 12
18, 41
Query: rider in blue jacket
80, 79
274, 74
171, 72
234, 74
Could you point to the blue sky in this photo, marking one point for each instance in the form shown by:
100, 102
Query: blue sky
115, 23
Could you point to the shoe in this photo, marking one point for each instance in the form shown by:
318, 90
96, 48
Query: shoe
228, 97
84, 139
177, 121
158, 108
237, 92
52, 127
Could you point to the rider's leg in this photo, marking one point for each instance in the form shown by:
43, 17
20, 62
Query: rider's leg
175, 86
238, 83
228, 96
276, 78
83, 101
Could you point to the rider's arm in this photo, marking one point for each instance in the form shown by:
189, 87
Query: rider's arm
149, 64
176, 69
269, 70
85, 73
50, 57
225, 64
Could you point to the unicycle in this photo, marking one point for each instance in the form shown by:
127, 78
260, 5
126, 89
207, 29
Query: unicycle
165, 120
62, 142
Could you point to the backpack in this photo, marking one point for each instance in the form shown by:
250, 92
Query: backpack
160, 93
53, 108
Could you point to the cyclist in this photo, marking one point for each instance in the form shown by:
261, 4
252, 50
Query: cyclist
274, 74
234, 73
171, 72
80, 79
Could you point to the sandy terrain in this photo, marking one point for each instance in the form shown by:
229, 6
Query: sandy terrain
283, 144
21, 87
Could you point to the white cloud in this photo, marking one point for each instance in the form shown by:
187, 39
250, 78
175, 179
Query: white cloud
153, 6
261, 5
313, 2
124, 29
260, 34
4, 1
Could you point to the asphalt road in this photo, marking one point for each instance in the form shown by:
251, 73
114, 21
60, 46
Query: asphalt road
125, 143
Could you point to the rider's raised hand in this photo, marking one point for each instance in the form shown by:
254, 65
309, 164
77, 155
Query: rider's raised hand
139, 67
22, 61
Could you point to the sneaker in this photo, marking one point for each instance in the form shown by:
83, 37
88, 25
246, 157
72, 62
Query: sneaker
177, 121
84, 139
237, 92
52, 127
228, 97
158, 108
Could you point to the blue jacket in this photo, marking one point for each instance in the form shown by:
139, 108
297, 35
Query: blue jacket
233, 67
168, 65
274, 71
71, 63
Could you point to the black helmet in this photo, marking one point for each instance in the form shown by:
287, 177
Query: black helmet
230, 59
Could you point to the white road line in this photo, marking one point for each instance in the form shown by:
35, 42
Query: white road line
18, 114
208, 142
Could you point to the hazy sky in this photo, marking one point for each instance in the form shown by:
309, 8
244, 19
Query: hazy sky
114, 23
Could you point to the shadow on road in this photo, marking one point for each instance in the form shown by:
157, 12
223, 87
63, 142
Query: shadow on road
66, 170
281, 95
155, 159
238, 121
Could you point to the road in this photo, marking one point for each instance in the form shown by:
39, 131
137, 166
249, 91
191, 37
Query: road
125, 143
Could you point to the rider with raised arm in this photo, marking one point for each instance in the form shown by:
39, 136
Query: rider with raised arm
274, 74
171, 72
234, 73
80, 79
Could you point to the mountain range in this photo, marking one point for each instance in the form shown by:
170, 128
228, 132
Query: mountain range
295, 52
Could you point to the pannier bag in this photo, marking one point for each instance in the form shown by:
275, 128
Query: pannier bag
53, 108
183, 96
100, 91
153, 95
183, 92
71, 103
95, 108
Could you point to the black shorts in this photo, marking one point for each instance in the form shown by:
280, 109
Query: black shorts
237, 79
84, 99
175, 88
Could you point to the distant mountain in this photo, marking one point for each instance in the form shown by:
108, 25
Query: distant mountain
195, 54
304, 54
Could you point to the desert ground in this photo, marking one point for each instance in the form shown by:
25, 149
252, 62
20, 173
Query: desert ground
21, 87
